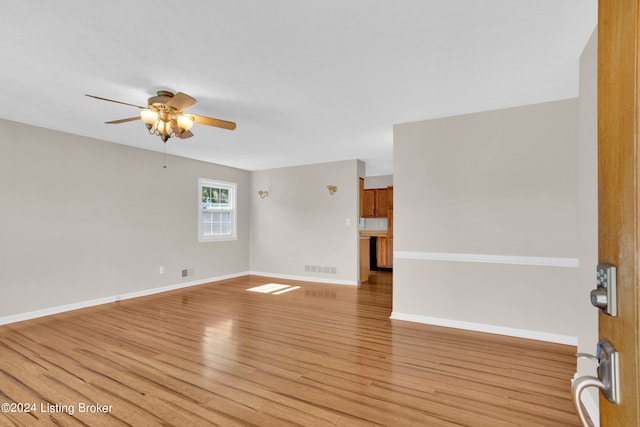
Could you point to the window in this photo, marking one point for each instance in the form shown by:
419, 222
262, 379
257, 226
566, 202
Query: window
216, 210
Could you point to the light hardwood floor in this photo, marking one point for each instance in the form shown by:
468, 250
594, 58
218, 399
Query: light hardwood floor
218, 354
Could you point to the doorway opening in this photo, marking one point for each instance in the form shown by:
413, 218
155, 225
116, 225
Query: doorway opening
376, 226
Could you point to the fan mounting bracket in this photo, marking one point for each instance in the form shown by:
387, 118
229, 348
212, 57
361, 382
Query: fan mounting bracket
159, 102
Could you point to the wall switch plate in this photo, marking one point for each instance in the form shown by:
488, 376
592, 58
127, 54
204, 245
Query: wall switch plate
162, 269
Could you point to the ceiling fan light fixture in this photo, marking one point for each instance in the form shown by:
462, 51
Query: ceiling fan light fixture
149, 117
164, 128
185, 122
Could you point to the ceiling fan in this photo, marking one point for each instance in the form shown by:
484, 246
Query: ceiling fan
164, 115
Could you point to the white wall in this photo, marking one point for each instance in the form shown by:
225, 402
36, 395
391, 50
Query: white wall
588, 215
500, 188
84, 219
378, 181
301, 224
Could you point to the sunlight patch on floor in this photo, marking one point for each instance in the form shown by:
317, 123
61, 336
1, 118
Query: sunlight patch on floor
292, 288
273, 288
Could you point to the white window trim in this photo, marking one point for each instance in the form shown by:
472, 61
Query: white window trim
232, 186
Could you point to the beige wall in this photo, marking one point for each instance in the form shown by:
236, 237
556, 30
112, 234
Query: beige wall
300, 224
588, 214
84, 219
378, 181
486, 221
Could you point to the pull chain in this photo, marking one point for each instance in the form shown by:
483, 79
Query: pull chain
164, 155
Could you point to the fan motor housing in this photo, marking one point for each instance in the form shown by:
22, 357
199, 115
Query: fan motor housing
159, 102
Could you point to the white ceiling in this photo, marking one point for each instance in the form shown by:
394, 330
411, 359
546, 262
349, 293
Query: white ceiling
306, 81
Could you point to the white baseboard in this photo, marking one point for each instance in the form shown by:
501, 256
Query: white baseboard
479, 327
105, 300
305, 278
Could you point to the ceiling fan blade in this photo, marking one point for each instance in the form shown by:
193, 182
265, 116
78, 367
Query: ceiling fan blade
186, 134
180, 101
130, 119
111, 100
210, 121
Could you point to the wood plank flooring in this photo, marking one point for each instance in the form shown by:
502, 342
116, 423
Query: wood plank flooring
218, 354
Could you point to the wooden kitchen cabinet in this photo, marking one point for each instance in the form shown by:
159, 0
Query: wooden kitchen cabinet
376, 202
382, 202
368, 203
384, 252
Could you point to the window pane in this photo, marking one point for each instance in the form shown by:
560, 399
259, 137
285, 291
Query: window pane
206, 196
207, 224
216, 223
215, 198
224, 195
225, 222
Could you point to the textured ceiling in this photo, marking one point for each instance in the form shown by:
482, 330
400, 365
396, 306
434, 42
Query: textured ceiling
306, 81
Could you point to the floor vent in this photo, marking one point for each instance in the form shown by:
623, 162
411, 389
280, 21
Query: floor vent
319, 269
